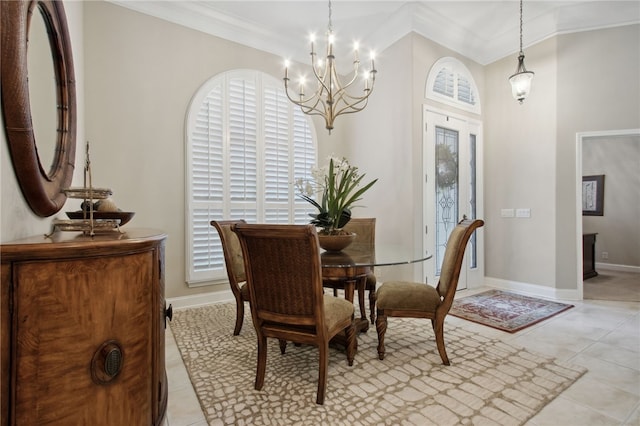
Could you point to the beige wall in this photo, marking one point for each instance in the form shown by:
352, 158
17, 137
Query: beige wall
618, 159
141, 73
520, 169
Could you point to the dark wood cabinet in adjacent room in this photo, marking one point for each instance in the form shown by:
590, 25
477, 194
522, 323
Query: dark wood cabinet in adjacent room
589, 256
83, 329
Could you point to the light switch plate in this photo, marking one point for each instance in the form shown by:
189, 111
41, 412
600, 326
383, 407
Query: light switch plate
506, 213
523, 212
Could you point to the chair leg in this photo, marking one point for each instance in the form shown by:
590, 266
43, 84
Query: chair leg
372, 304
239, 316
283, 345
439, 332
361, 290
262, 362
352, 342
381, 327
322, 371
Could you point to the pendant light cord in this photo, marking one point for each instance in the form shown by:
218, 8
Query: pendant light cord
521, 28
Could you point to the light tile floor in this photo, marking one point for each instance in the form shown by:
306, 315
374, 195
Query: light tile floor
599, 335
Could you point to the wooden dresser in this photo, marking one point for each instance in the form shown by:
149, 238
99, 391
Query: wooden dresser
83, 329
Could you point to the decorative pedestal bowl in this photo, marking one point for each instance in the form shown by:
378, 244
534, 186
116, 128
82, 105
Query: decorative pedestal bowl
335, 242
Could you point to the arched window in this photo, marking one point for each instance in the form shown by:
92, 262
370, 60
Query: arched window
246, 145
450, 82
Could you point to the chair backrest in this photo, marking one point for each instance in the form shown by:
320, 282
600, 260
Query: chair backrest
453, 256
284, 274
233, 259
364, 228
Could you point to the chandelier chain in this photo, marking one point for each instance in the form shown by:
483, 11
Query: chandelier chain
330, 23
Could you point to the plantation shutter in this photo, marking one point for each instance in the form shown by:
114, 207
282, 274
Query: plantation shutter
207, 182
304, 153
242, 161
276, 159
246, 145
465, 91
444, 82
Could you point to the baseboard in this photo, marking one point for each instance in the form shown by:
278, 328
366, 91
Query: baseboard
184, 302
614, 267
533, 289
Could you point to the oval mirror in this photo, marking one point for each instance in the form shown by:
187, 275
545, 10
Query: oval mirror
42, 188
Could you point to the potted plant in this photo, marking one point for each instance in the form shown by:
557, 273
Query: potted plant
336, 188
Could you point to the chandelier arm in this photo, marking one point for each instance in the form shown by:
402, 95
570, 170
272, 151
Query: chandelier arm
307, 106
357, 98
347, 109
304, 104
351, 108
367, 88
321, 79
355, 75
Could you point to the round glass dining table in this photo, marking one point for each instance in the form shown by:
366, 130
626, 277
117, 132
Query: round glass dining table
351, 266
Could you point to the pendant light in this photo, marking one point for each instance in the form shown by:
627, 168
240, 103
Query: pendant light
521, 80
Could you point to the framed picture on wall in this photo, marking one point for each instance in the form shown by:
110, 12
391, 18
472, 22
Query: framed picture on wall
593, 195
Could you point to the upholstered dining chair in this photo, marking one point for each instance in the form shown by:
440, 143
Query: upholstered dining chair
234, 263
287, 301
365, 230
420, 300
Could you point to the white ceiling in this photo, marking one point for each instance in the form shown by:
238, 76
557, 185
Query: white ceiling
482, 30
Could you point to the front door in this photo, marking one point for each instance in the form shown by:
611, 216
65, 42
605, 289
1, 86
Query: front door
452, 190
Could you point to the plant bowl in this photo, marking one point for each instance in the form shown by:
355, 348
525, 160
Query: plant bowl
336, 242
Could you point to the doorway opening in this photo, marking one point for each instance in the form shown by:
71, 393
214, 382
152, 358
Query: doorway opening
614, 154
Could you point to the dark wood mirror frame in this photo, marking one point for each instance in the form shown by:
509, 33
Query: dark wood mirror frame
41, 189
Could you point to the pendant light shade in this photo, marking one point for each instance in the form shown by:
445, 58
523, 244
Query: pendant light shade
521, 81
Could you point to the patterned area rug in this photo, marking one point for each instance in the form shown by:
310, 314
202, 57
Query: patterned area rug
505, 311
488, 382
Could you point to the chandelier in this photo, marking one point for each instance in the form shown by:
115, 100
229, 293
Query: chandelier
521, 80
330, 97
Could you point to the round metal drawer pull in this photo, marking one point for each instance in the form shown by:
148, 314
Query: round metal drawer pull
107, 362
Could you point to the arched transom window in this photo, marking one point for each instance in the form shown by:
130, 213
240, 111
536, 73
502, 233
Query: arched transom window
450, 82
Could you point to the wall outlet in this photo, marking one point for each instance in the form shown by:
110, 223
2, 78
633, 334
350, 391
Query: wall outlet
605, 254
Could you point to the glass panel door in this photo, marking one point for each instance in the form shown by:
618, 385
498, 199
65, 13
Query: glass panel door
452, 191
446, 188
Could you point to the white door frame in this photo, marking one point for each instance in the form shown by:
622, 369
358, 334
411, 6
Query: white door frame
471, 278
